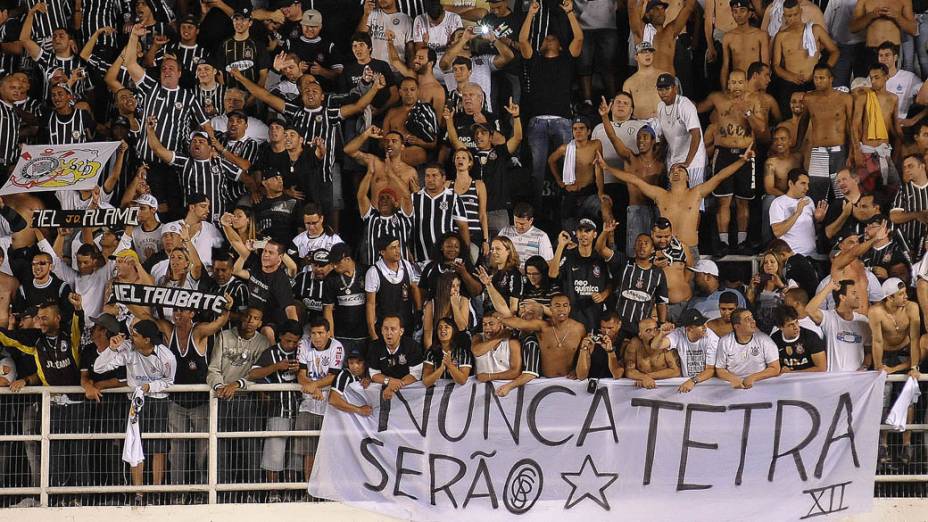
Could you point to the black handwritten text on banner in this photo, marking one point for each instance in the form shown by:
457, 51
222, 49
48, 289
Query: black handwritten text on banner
92, 217
790, 448
168, 297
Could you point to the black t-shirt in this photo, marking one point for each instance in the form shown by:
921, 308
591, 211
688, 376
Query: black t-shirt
428, 280
800, 269
797, 353
278, 218
851, 225
396, 365
580, 278
308, 290
508, 283
216, 26
599, 359
548, 84
270, 292
888, 256
320, 50
492, 166
462, 124
89, 356
347, 297
353, 73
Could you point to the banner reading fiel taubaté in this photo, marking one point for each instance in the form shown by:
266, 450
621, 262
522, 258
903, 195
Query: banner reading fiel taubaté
59, 167
792, 448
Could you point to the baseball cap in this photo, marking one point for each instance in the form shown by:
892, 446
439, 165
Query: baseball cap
655, 3
147, 200
891, 286
354, 353
586, 224
666, 80
128, 252
109, 322
662, 223
242, 13
320, 257
190, 19
311, 18
649, 129
739, 3
693, 317
270, 172
170, 228
199, 133
644, 47
338, 252
483, 126
149, 330
704, 266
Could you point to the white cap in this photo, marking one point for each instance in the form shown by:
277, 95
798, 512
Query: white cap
891, 286
172, 227
704, 266
147, 200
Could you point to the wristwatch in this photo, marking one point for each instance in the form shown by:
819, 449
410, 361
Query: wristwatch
386, 381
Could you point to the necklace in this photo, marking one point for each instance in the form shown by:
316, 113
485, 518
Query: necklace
559, 340
349, 283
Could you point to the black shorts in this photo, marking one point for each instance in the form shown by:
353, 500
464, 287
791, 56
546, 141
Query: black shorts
154, 419
741, 184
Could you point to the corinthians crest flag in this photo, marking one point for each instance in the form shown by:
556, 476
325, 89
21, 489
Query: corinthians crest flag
43, 168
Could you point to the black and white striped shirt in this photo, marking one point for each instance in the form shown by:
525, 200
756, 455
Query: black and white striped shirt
9, 134
343, 380
531, 354
102, 13
49, 62
433, 217
324, 122
239, 292
44, 24
211, 100
73, 128
471, 202
460, 354
283, 403
912, 198
247, 149
398, 225
177, 110
639, 290
187, 55
210, 177
307, 288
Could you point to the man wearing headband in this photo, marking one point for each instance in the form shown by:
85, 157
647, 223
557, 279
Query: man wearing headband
390, 171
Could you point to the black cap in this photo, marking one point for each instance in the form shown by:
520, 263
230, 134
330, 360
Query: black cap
586, 224
242, 13
692, 317
338, 252
320, 257
270, 172
666, 80
149, 330
662, 223
740, 3
190, 19
109, 322
354, 353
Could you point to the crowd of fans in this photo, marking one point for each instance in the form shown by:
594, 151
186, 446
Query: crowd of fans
394, 191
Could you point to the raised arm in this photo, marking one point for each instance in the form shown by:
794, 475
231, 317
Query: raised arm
160, 150
604, 110
395, 61
453, 139
353, 147
364, 188
814, 306
705, 188
512, 144
260, 93
649, 190
130, 53
355, 108
25, 34
576, 43
525, 46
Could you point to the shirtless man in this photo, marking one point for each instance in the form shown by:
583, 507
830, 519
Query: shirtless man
673, 258
415, 151
797, 109
681, 203
756, 90
721, 325
422, 70
559, 339
829, 114
884, 21
736, 119
793, 62
743, 45
873, 148
585, 187
665, 36
718, 21
646, 164
391, 171
645, 361
641, 84
895, 327
780, 161
919, 143
494, 349
847, 264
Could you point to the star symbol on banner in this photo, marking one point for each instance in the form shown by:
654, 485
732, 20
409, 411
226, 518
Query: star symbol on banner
586, 481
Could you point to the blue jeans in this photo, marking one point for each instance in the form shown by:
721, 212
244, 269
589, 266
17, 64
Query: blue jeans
638, 220
543, 132
921, 42
850, 63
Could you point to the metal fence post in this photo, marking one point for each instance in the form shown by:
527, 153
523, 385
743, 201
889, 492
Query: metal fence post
45, 448
213, 460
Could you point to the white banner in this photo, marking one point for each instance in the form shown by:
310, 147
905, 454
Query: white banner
791, 448
43, 168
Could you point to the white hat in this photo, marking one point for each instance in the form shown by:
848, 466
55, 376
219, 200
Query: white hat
147, 200
891, 286
704, 266
172, 227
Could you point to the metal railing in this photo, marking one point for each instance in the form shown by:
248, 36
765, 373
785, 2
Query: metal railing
907, 481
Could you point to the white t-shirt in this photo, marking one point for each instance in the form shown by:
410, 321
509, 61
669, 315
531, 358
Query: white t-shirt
627, 131
845, 340
318, 363
534, 242
905, 86
874, 293
438, 35
205, 240
801, 236
675, 123
372, 278
694, 356
746, 359
146, 244
482, 67
379, 23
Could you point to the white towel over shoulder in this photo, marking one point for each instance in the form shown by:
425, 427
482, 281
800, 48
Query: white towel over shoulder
808, 40
570, 164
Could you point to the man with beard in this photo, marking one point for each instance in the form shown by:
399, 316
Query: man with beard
645, 360
560, 339
780, 160
391, 171
421, 70
497, 356
584, 275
